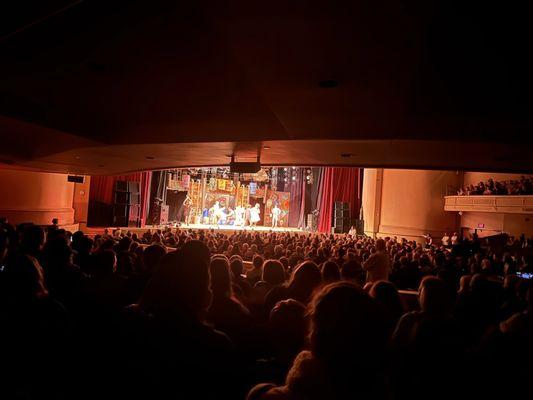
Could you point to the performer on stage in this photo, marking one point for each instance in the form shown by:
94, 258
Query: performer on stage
254, 214
214, 213
239, 216
187, 203
222, 216
275, 213
247, 215
230, 216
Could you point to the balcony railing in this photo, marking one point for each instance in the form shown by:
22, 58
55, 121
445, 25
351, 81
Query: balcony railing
487, 203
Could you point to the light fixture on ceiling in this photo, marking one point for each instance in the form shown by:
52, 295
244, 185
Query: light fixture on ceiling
266, 147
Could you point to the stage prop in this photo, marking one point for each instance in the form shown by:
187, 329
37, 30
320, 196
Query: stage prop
214, 200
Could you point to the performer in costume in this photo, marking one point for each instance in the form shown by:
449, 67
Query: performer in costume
187, 203
222, 216
230, 218
254, 214
214, 213
239, 216
275, 213
247, 215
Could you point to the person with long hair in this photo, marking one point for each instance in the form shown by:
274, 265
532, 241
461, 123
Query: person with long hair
347, 350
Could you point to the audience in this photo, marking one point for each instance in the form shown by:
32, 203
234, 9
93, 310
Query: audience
522, 186
204, 314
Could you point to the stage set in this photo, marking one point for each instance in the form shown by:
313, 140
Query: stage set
279, 198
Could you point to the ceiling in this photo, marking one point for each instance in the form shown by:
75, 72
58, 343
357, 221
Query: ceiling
105, 87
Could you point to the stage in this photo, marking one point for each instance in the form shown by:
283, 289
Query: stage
226, 229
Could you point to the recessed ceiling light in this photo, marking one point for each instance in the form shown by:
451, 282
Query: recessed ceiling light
77, 157
266, 147
328, 83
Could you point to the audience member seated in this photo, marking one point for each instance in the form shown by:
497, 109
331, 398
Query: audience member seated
286, 330
178, 313
347, 353
522, 186
176, 352
226, 313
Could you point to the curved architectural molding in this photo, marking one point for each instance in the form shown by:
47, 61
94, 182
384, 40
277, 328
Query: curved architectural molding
494, 204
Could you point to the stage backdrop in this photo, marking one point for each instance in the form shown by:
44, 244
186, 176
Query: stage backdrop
282, 199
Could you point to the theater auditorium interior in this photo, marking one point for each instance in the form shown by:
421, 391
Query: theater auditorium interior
266, 200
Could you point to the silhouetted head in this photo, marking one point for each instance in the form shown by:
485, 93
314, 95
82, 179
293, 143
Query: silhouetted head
179, 287
105, 263
330, 272
57, 252
380, 245
220, 277
287, 327
23, 279
304, 280
273, 272
347, 326
152, 256
434, 296
33, 238
386, 294
258, 262
196, 249
236, 266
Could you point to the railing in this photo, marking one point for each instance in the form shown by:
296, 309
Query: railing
488, 203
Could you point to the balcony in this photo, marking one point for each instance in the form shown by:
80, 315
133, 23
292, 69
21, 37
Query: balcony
495, 204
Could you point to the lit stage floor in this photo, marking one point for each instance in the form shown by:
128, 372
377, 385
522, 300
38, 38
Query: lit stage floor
218, 228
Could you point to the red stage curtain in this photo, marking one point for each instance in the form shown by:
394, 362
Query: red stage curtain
102, 189
338, 184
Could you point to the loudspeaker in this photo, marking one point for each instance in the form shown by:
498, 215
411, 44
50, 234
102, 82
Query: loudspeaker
120, 215
121, 186
122, 198
75, 178
133, 187
244, 167
134, 215
338, 225
135, 198
341, 217
360, 227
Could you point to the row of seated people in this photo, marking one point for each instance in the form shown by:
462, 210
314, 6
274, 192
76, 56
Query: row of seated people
315, 317
522, 186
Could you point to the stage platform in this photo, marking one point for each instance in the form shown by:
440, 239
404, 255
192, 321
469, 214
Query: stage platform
226, 229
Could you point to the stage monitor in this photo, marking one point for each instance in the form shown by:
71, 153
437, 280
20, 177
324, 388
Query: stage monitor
244, 167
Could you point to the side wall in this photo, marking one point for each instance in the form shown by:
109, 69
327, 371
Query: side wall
36, 197
411, 204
